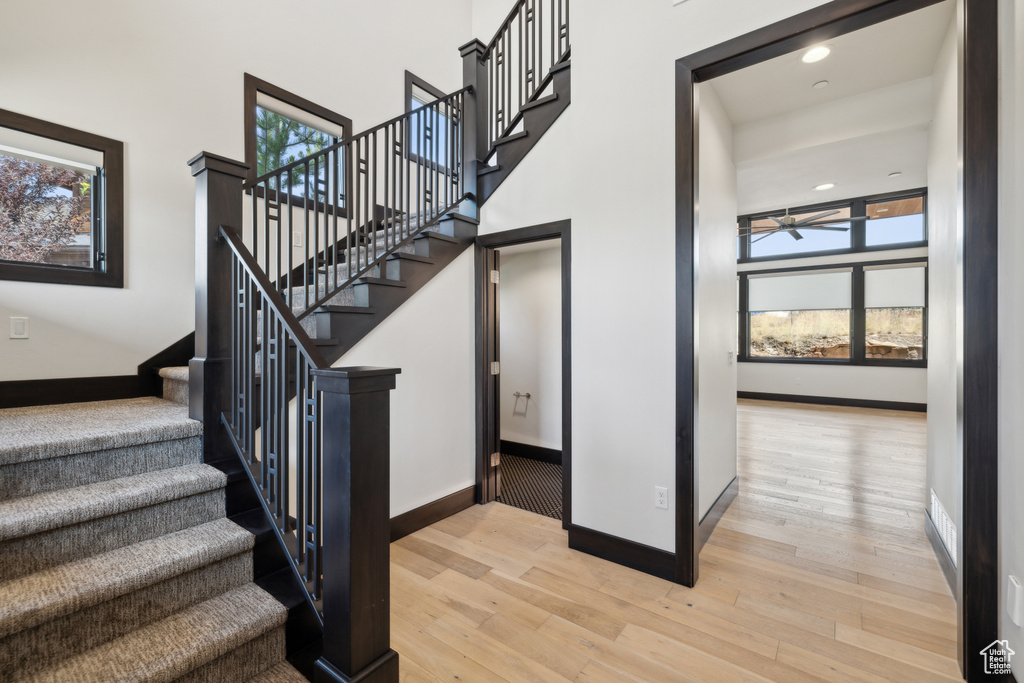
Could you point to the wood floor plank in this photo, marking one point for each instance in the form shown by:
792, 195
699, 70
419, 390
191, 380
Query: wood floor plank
820, 570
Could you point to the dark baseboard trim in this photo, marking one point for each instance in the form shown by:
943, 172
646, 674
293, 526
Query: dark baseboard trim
412, 521
177, 354
717, 509
832, 401
523, 450
941, 554
42, 392
638, 556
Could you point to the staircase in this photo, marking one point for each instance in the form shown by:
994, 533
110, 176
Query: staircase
117, 559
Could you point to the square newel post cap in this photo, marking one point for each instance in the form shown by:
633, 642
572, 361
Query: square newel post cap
205, 161
473, 46
359, 379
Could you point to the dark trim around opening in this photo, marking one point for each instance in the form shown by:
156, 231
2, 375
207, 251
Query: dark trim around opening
978, 576
108, 239
253, 85
485, 245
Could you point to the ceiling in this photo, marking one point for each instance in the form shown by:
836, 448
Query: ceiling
895, 51
870, 121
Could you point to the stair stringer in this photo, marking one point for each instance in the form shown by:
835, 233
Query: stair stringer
538, 117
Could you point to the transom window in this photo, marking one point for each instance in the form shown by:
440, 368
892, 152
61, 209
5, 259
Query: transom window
61, 197
849, 226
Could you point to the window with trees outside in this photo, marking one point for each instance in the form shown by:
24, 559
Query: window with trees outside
61, 204
281, 128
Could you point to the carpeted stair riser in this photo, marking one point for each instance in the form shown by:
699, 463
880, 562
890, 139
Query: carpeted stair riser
188, 642
53, 474
281, 673
46, 549
244, 662
45, 645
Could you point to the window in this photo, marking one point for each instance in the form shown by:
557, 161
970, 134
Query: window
850, 226
895, 222
61, 204
871, 313
428, 131
804, 315
894, 312
281, 127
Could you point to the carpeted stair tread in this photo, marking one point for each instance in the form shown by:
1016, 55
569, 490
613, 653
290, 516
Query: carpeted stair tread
175, 646
36, 598
280, 673
55, 509
178, 373
41, 432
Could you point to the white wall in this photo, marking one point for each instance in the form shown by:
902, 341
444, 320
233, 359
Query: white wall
622, 185
433, 417
716, 290
943, 466
1011, 311
166, 79
904, 385
531, 346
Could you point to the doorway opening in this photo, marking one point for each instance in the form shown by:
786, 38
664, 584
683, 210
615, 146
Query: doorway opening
524, 360
973, 390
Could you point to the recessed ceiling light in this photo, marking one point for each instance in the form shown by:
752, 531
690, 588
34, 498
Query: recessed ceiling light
824, 186
820, 84
895, 174
816, 54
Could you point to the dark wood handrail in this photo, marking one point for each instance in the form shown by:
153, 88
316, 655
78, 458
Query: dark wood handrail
504, 25
276, 301
365, 134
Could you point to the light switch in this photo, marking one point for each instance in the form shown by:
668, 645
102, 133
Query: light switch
19, 328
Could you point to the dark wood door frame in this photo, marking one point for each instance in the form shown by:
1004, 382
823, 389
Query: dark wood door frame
977, 399
486, 345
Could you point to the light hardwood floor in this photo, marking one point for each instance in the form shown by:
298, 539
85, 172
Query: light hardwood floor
820, 570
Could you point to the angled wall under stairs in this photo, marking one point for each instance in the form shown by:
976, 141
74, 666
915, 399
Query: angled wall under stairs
117, 560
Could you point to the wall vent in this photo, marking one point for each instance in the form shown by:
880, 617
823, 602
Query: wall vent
945, 526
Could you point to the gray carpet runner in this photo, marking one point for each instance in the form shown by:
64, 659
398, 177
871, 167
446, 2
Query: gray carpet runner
531, 485
117, 562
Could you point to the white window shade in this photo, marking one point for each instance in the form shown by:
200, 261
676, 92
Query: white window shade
894, 287
300, 115
15, 143
804, 292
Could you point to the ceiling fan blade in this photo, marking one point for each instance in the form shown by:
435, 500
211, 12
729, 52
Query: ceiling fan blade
781, 222
836, 220
844, 228
796, 235
762, 237
810, 219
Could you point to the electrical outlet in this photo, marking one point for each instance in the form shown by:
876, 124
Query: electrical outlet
296, 239
19, 328
661, 497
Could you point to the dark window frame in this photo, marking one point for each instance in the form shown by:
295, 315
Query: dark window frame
108, 230
411, 81
858, 342
858, 241
253, 86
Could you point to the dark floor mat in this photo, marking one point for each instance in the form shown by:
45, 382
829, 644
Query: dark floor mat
531, 485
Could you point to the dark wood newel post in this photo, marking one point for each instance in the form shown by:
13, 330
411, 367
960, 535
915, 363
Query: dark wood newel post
474, 74
356, 525
218, 202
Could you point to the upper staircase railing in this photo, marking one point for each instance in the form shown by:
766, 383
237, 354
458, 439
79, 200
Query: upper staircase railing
533, 38
322, 221
312, 439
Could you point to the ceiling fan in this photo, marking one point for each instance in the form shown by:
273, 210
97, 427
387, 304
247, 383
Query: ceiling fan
790, 224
